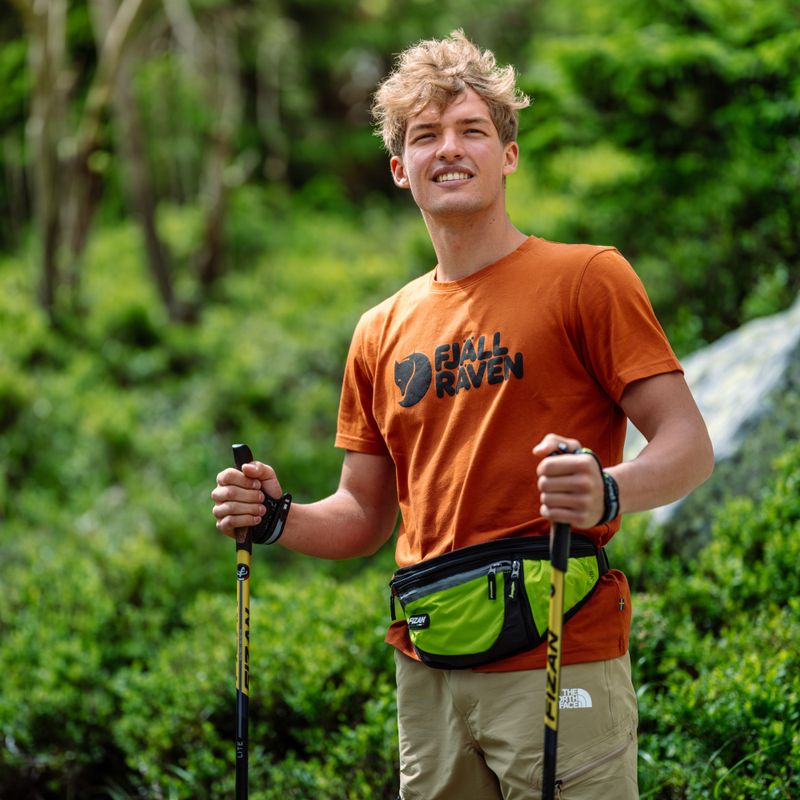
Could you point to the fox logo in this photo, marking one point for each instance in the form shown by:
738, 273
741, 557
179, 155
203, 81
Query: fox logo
413, 377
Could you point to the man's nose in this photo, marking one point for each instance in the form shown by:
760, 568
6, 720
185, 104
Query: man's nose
450, 146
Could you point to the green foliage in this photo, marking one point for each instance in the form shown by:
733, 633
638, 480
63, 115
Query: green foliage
321, 715
114, 601
671, 130
715, 648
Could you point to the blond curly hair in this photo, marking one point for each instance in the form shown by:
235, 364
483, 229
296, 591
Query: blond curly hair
436, 71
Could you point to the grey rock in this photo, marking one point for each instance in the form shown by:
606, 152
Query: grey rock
747, 386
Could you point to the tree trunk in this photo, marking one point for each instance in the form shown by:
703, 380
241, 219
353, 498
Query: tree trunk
138, 185
85, 184
45, 24
66, 191
228, 103
212, 54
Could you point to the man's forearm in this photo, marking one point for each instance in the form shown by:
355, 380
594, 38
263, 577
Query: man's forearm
661, 475
678, 456
338, 527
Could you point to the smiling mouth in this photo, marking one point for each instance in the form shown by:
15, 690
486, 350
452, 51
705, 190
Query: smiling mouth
452, 176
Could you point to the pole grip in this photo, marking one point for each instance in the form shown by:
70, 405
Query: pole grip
243, 455
559, 550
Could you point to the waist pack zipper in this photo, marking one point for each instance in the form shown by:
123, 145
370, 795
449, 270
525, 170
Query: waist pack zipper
415, 592
513, 584
534, 548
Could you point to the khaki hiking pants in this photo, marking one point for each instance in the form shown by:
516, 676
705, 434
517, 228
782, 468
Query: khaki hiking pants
478, 736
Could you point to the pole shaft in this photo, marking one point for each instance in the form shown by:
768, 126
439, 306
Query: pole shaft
244, 551
559, 559
242, 668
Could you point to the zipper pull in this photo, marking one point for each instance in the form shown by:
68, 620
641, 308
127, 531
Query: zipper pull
492, 582
512, 587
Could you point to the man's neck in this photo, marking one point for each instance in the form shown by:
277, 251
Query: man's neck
463, 245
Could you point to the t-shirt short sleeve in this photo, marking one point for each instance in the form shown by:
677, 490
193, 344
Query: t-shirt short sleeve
357, 428
619, 334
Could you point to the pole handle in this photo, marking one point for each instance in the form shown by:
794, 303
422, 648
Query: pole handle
243, 455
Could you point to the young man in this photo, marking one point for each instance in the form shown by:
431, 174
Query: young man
456, 390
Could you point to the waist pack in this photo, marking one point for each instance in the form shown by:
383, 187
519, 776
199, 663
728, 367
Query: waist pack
489, 601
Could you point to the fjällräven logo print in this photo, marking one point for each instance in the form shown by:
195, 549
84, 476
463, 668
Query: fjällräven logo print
413, 376
459, 366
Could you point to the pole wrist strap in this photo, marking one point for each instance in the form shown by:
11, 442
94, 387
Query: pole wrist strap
610, 490
269, 530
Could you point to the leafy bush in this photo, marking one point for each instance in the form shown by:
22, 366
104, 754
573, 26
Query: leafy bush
113, 575
670, 130
715, 649
321, 710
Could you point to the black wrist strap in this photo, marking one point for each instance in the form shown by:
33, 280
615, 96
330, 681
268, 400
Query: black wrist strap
269, 530
610, 499
610, 490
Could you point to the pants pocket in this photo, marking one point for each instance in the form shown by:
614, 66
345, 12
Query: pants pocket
611, 775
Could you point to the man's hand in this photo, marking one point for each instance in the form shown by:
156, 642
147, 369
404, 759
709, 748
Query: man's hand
239, 496
352, 522
570, 486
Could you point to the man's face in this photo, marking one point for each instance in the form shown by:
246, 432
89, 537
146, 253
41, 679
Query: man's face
453, 160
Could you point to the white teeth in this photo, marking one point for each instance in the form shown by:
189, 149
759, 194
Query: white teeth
452, 176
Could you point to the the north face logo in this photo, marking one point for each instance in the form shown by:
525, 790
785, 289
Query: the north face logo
413, 376
574, 698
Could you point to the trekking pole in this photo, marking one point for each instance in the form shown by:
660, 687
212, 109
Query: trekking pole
244, 550
559, 559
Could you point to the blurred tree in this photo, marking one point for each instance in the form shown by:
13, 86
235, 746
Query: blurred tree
669, 128
132, 153
211, 51
66, 182
14, 78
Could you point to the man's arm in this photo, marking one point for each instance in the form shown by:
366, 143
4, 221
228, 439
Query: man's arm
678, 457
354, 521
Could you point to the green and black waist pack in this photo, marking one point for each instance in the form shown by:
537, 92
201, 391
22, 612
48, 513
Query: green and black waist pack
489, 601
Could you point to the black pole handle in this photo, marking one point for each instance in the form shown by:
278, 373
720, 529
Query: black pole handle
243, 455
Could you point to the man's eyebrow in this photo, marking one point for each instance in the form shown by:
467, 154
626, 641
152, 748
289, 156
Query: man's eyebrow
422, 126
418, 127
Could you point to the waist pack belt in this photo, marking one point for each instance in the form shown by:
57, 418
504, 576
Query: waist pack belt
489, 601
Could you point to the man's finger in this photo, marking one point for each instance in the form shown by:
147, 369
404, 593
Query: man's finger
553, 443
234, 477
231, 492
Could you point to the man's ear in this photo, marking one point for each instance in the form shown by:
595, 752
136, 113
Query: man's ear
398, 172
511, 158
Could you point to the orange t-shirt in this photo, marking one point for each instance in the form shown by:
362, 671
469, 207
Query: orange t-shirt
457, 381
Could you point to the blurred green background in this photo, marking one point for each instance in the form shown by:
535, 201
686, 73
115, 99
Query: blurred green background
194, 211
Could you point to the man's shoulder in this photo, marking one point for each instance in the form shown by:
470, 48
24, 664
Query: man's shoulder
576, 253
398, 303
